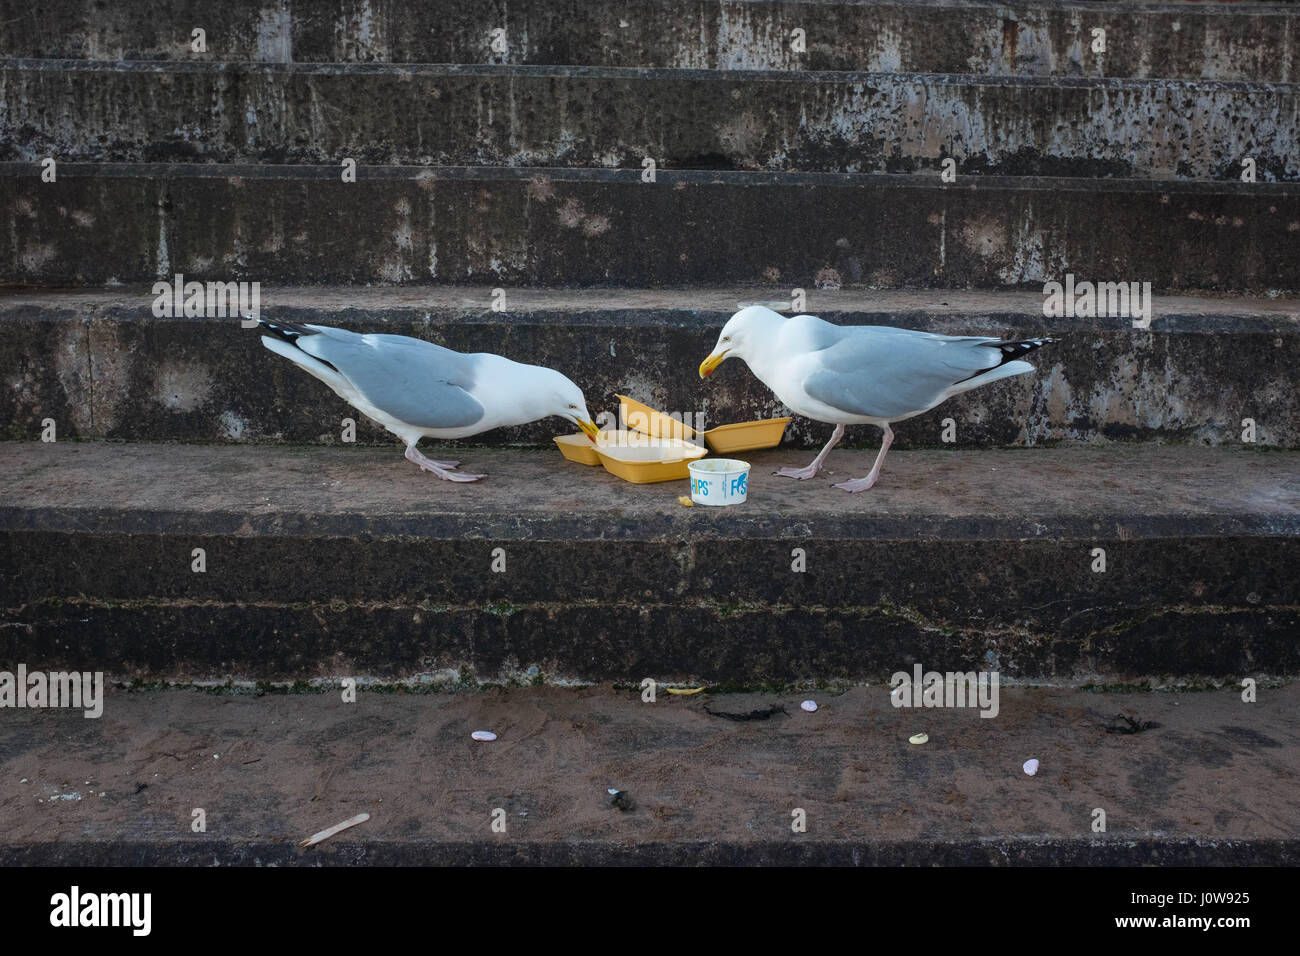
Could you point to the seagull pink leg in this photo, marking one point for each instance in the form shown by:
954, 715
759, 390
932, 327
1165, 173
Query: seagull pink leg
440, 468
862, 484
816, 466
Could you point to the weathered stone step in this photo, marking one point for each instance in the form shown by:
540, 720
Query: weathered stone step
102, 366
572, 227
1202, 40
271, 770
326, 561
680, 119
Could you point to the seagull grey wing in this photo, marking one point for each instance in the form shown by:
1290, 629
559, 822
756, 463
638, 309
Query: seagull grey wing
892, 373
415, 382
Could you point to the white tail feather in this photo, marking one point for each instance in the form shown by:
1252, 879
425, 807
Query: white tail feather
1005, 370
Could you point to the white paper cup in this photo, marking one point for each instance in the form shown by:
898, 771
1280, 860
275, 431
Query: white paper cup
719, 481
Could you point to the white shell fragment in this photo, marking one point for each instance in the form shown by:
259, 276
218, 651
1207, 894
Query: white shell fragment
919, 739
483, 735
1031, 767
809, 705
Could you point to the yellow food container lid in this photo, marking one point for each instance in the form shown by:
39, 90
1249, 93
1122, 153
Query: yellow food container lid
640, 417
746, 436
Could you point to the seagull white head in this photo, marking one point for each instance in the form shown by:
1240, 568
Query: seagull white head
564, 399
741, 336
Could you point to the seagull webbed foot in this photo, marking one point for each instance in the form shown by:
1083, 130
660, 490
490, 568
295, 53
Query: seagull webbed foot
800, 473
857, 484
443, 469
452, 475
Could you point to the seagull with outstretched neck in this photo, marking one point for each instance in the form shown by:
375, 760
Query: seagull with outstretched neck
860, 374
417, 389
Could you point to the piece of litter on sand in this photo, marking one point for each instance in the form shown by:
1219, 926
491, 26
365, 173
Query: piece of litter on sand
337, 828
685, 501
1130, 726
761, 714
809, 705
684, 691
1031, 767
483, 735
919, 739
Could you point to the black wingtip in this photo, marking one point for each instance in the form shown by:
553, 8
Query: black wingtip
288, 331
1019, 348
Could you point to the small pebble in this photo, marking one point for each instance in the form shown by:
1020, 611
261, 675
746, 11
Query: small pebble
919, 738
809, 705
483, 735
1031, 767
622, 801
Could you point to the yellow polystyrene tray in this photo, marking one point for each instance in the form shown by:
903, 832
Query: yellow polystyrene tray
578, 447
642, 418
746, 436
638, 458
723, 440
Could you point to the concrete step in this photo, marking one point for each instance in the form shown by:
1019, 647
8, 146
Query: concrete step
108, 222
682, 119
1211, 785
1201, 40
102, 366
348, 561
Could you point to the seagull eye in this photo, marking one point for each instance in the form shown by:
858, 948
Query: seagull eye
726, 338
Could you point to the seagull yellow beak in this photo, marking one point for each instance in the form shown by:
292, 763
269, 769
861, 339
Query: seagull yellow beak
712, 362
588, 428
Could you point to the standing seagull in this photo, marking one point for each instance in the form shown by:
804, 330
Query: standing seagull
417, 389
862, 374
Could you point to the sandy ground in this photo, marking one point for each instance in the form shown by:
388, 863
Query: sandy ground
277, 768
441, 298
91, 486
